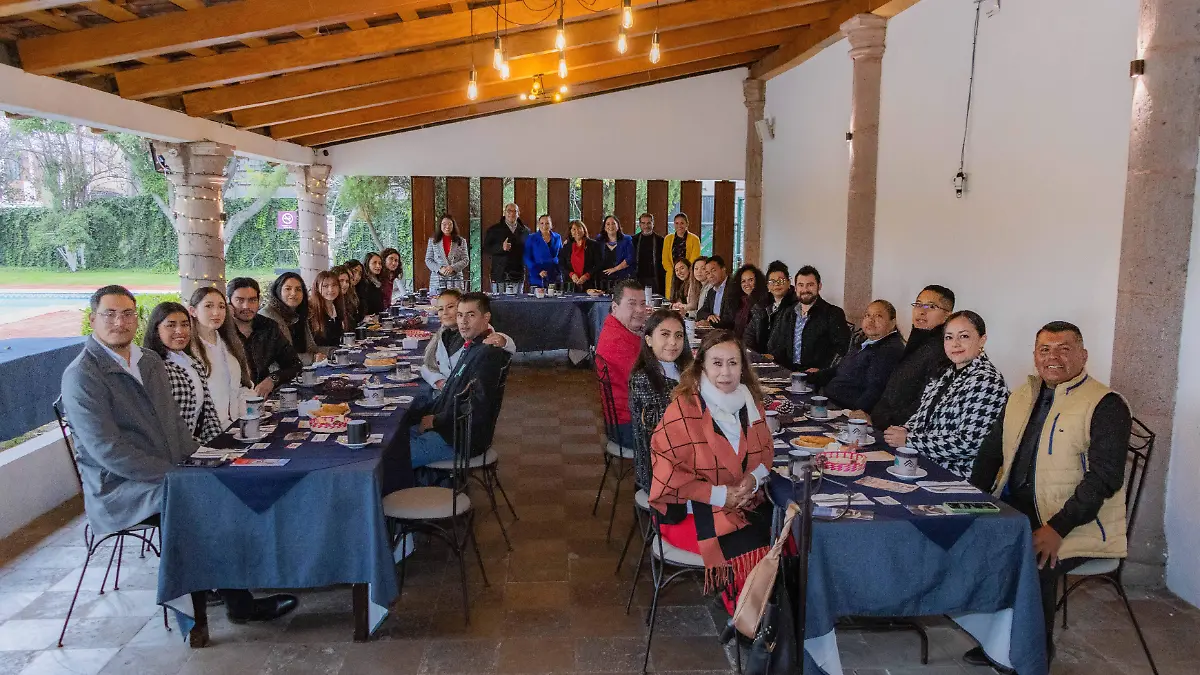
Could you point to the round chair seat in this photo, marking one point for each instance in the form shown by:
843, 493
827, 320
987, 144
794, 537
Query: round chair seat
486, 459
617, 450
1096, 567
642, 499
675, 555
425, 503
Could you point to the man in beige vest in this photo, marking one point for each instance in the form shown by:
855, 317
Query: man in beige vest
1057, 454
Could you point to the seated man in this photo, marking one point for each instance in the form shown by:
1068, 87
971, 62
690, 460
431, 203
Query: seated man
1057, 454
431, 438
128, 434
924, 359
617, 349
812, 333
858, 380
716, 306
445, 348
272, 359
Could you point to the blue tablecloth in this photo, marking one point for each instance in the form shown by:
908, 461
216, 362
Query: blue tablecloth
30, 379
980, 570
316, 521
571, 321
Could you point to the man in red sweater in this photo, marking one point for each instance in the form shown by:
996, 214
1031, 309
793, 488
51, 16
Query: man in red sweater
618, 346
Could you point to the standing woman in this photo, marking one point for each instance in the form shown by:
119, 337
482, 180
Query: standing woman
169, 334
578, 259
616, 253
541, 254
392, 277
958, 407
288, 306
446, 257
685, 290
370, 287
216, 344
346, 291
327, 316
713, 451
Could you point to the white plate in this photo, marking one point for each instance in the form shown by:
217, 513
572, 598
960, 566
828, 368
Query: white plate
412, 378
339, 366
841, 438
379, 369
806, 390
400, 400
362, 402
237, 436
921, 473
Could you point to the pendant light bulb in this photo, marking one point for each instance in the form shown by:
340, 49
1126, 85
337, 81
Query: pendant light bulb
622, 42
560, 38
505, 72
473, 86
655, 50
562, 66
627, 14
497, 54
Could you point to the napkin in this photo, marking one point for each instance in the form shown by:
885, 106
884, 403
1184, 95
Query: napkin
857, 499
950, 487
214, 453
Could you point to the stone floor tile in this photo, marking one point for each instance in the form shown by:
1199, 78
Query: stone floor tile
140, 660
687, 653
398, 657
684, 621
524, 566
303, 659
609, 655
13, 602
123, 603
537, 594
36, 579
536, 623
57, 556
460, 656
540, 655
228, 659
607, 621
15, 661
96, 633
29, 634
69, 662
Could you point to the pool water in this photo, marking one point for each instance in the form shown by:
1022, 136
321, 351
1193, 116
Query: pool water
19, 306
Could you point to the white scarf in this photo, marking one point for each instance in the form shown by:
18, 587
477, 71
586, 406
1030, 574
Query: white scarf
725, 409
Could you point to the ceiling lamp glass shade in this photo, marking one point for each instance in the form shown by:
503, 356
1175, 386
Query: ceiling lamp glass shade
627, 14
655, 50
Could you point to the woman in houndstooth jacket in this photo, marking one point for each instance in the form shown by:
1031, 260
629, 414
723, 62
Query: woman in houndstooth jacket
446, 257
958, 407
169, 334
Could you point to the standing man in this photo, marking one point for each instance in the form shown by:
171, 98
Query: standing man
505, 243
1057, 454
924, 359
617, 349
647, 248
678, 245
272, 359
812, 333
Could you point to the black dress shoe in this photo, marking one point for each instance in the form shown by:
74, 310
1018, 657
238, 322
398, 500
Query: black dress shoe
977, 657
267, 609
213, 599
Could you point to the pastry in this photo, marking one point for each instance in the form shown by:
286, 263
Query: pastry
381, 360
812, 442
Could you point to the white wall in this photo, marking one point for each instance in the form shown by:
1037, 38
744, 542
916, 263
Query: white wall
686, 129
1038, 235
35, 477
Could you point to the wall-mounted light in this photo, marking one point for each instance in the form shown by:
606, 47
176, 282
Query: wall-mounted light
1137, 67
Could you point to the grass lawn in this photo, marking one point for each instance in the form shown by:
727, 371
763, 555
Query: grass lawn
95, 278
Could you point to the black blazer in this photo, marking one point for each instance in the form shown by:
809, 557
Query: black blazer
763, 320
826, 336
591, 261
480, 363
649, 272
506, 265
727, 312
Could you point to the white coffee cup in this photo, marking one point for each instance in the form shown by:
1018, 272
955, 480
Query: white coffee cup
254, 407
539, 292
373, 393
799, 383
404, 370
288, 398
410, 343
907, 463
798, 459
856, 431
773, 421
347, 339
308, 376
820, 408
250, 428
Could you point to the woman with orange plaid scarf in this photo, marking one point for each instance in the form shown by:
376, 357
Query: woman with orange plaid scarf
711, 455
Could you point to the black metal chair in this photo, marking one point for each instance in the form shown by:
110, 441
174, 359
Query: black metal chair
484, 469
144, 532
612, 449
641, 498
1109, 570
441, 512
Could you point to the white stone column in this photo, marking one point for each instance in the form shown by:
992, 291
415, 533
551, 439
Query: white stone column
1155, 244
312, 182
866, 33
755, 91
197, 174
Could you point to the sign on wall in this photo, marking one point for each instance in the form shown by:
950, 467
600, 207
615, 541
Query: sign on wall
286, 220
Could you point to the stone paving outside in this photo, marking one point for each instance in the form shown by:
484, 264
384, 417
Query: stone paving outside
554, 605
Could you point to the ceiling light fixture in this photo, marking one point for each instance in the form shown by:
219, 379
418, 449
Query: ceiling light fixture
627, 14
622, 42
655, 50
562, 66
497, 53
560, 38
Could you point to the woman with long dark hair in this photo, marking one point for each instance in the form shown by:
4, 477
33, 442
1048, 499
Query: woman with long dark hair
578, 258
664, 357
617, 260
392, 277
169, 334
215, 342
288, 306
750, 291
446, 257
347, 294
685, 289
327, 316
370, 287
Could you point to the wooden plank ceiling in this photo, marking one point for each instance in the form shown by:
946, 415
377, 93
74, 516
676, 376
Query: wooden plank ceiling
320, 73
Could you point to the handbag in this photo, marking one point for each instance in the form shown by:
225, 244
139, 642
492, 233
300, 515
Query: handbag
764, 612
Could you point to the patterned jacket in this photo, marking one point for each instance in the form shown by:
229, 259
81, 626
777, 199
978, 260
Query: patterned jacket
209, 426
646, 408
958, 409
436, 259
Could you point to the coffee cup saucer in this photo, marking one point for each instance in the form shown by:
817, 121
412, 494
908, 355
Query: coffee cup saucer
921, 473
354, 446
237, 436
396, 378
369, 404
801, 390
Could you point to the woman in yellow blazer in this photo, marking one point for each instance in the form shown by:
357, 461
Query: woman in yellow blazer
689, 248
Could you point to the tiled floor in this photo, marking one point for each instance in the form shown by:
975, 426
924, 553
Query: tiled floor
554, 604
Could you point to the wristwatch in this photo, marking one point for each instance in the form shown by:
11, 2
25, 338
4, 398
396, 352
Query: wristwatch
275, 378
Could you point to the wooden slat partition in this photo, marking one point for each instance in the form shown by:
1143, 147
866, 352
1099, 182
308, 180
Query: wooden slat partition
525, 195
656, 203
625, 205
724, 205
690, 203
558, 201
458, 205
423, 226
592, 204
491, 210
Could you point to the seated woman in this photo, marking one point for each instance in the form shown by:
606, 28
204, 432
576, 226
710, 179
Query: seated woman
169, 334
541, 254
391, 279
959, 406
711, 453
287, 305
446, 257
656, 372
578, 259
616, 254
685, 289
857, 382
749, 293
347, 294
218, 346
370, 285
327, 317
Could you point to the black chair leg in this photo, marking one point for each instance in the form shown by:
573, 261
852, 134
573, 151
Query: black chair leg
500, 487
478, 556
1133, 619
120, 554
603, 478
637, 574
1063, 602
650, 633
637, 517
75, 597
490, 489
612, 514
460, 551
112, 556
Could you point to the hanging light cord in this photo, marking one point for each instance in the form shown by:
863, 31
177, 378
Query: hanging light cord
962, 156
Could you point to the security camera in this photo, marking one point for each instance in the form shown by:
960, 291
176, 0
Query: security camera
765, 128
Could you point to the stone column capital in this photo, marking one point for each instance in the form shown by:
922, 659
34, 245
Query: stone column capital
866, 33
755, 91
201, 163
311, 180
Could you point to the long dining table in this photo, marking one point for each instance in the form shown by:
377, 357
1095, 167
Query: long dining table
312, 521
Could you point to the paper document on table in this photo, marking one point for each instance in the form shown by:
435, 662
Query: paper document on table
882, 484
949, 487
857, 499
213, 453
879, 456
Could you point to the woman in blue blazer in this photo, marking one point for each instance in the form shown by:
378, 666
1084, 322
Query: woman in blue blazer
617, 260
541, 254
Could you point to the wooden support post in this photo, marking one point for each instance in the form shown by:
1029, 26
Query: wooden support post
656, 204
423, 224
558, 201
491, 210
724, 206
625, 205
592, 206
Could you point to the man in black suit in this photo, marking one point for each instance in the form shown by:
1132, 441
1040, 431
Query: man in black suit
812, 333
504, 242
719, 304
431, 438
647, 247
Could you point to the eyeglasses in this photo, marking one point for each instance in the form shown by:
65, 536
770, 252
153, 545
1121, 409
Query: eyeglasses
927, 306
113, 316
777, 282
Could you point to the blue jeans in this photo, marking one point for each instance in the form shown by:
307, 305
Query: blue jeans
428, 447
623, 435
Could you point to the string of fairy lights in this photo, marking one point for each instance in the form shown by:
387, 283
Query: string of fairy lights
538, 91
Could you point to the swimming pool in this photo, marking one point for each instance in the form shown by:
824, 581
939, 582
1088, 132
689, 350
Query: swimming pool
19, 306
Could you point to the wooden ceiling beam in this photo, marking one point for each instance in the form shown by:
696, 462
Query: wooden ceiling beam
113, 12
505, 105
427, 62
637, 62
821, 35
326, 50
577, 56
15, 7
201, 27
52, 20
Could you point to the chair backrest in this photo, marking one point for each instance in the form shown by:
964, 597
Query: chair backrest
641, 454
64, 426
608, 406
1141, 445
461, 442
490, 429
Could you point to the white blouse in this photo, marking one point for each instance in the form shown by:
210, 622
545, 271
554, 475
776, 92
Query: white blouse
225, 382
185, 362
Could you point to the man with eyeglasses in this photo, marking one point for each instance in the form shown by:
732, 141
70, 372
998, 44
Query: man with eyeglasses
762, 317
128, 434
924, 358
